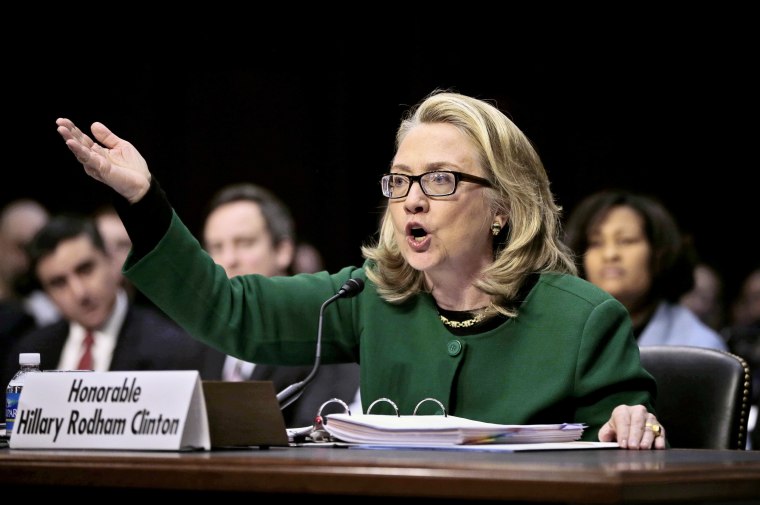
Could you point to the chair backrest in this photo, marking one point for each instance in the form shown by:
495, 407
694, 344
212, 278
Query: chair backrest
703, 397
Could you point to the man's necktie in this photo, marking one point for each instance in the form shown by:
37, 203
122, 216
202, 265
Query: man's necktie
85, 362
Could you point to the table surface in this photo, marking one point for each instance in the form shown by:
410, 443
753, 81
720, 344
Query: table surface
583, 476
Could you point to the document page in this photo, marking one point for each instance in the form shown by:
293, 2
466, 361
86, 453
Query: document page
537, 446
442, 430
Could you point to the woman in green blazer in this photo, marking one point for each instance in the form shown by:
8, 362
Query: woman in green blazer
470, 296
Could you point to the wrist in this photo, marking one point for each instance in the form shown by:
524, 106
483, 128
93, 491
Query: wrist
139, 193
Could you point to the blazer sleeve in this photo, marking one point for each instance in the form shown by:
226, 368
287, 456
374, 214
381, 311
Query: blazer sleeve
609, 371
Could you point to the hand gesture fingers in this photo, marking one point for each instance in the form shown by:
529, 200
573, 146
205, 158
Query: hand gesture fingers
111, 160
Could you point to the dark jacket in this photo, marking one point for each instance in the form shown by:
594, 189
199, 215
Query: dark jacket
147, 341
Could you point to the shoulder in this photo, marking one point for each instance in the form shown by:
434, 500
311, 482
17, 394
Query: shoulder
141, 313
142, 319
682, 326
52, 331
573, 289
47, 340
564, 301
14, 323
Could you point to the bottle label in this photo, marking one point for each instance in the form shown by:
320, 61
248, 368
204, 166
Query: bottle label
11, 406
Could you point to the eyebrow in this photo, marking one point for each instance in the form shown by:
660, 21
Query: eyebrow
429, 167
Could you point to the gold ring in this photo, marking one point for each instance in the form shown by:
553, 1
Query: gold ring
656, 429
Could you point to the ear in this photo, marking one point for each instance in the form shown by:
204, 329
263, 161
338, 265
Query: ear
285, 251
500, 240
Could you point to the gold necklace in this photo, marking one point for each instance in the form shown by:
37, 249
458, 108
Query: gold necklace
462, 324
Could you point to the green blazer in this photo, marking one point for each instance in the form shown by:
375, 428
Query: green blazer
569, 356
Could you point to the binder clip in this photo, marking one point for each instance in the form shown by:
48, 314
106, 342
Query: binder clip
442, 411
318, 432
386, 400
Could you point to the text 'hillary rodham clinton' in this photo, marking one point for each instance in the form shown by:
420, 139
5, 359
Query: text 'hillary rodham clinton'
34, 422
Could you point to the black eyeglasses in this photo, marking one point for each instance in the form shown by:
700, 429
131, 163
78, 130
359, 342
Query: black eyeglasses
436, 183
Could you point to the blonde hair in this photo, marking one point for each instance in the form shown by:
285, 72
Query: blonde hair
520, 191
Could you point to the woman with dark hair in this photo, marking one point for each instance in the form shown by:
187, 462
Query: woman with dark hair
631, 246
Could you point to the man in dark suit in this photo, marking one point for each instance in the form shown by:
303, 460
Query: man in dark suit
14, 322
70, 261
248, 230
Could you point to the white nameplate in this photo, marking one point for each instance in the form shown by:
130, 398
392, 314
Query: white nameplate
162, 410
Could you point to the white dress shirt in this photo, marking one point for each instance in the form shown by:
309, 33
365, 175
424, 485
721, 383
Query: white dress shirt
674, 324
236, 369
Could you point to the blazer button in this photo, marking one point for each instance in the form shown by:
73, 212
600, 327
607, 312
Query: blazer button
454, 347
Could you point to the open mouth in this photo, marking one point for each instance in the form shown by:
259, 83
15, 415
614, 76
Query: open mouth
418, 234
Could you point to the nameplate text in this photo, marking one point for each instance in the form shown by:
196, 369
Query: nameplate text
162, 410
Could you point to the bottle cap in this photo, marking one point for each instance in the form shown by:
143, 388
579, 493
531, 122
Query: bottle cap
29, 358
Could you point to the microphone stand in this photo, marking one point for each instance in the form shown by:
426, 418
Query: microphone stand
293, 392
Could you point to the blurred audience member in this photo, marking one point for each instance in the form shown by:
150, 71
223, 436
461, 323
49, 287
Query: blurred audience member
745, 311
14, 322
248, 230
307, 259
19, 221
116, 240
69, 258
118, 244
743, 337
630, 245
114, 235
706, 298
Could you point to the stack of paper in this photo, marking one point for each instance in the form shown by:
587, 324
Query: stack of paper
442, 430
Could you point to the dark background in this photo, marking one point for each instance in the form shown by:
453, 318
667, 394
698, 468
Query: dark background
317, 127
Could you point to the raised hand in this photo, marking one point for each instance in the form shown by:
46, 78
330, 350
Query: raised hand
633, 427
111, 160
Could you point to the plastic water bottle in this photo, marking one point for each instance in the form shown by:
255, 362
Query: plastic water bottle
28, 362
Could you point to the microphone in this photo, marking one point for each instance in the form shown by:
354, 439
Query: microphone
350, 288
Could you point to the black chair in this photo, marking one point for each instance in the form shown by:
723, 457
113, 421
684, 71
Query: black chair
703, 398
